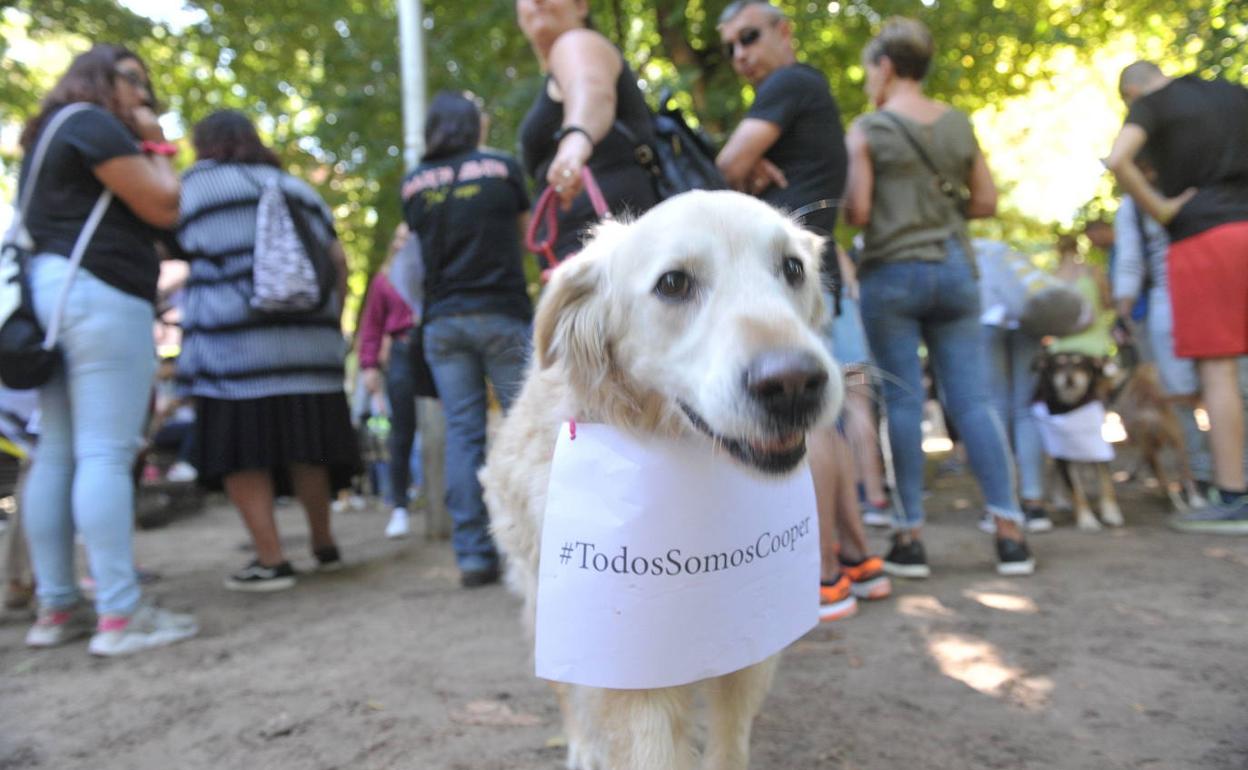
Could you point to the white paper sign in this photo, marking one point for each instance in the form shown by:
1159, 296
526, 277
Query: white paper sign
1075, 435
663, 562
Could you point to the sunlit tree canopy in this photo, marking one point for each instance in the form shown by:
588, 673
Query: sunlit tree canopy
321, 77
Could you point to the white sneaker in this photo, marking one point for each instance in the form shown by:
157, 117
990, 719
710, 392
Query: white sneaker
148, 626
876, 517
53, 628
181, 471
399, 525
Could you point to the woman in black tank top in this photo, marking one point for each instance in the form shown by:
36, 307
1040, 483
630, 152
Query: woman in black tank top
571, 124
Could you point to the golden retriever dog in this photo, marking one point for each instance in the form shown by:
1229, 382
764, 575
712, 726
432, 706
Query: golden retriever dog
698, 319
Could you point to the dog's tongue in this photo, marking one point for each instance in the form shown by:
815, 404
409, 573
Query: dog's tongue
783, 444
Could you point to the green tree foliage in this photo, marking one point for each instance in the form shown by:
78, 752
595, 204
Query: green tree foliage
321, 76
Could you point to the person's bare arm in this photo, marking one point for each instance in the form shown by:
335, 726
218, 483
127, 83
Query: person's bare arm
860, 183
585, 66
739, 160
1121, 162
147, 184
339, 258
849, 272
983, 201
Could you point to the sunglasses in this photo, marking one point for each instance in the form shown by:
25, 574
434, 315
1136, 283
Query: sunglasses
135, 79
748, 37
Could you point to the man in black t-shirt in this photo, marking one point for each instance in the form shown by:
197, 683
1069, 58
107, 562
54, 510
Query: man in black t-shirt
790, 151
1194, 133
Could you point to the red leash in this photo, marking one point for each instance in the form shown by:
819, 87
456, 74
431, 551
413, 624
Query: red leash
546, 213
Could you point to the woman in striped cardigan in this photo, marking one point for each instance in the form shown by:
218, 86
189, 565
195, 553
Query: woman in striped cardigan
273, 415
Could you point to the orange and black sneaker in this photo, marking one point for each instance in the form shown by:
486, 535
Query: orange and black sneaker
836, 600
867, 578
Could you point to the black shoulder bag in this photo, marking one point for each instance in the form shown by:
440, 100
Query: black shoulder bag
28, 355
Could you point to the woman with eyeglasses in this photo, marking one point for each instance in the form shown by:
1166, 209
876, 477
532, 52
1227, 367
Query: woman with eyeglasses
589, 91
94, 407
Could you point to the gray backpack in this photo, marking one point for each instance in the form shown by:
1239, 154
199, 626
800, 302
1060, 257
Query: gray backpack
291, 269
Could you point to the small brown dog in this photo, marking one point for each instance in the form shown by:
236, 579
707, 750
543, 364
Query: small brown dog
1153, 427
1066, 382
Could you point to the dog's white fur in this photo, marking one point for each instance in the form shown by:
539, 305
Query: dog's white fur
609, 349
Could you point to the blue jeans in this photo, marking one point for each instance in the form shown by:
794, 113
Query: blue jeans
1012, 381
92, 414
401, 393
463, 350
935, 303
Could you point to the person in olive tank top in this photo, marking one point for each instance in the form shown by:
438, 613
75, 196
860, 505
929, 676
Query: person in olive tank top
915, 175
571, 125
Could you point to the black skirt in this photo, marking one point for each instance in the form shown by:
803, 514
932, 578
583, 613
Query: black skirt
274, 432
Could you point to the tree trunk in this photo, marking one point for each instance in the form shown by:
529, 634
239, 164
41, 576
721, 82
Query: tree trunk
669, 19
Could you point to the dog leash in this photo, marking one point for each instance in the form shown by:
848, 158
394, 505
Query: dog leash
547, 213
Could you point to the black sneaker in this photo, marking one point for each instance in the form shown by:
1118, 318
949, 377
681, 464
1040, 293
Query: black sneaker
1014, 558
1038, 519
327, 559
475, 578
908, 560
257, 577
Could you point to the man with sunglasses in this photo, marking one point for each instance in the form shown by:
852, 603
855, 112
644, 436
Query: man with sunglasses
790, 151
790, 148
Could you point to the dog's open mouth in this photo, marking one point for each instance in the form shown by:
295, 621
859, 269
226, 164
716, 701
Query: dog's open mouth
773, 455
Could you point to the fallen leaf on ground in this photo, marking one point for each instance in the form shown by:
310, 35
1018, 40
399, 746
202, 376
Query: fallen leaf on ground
492, 714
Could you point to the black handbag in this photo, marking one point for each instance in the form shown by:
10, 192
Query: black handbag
28, 354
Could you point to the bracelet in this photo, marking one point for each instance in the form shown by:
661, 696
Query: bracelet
167, 149
563, 132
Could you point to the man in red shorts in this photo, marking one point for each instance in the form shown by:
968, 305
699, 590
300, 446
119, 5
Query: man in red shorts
1194, 132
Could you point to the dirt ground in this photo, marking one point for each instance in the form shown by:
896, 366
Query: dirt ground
1127, 649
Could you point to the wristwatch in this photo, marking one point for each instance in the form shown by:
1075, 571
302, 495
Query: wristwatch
168, 149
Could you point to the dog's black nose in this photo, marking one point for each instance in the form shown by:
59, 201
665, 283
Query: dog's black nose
788, 384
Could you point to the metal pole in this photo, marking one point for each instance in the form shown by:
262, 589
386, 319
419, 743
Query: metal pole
412, 61
429, 417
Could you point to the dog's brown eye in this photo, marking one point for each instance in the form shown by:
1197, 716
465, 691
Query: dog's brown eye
674, 285
794, 271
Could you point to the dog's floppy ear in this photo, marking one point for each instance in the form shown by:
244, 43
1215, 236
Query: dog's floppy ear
1037, 363
812, 244
569, 326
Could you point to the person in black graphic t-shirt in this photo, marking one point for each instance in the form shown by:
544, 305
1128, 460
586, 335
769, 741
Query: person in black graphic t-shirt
93, 409
1194, 132
790, 151
466, 206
